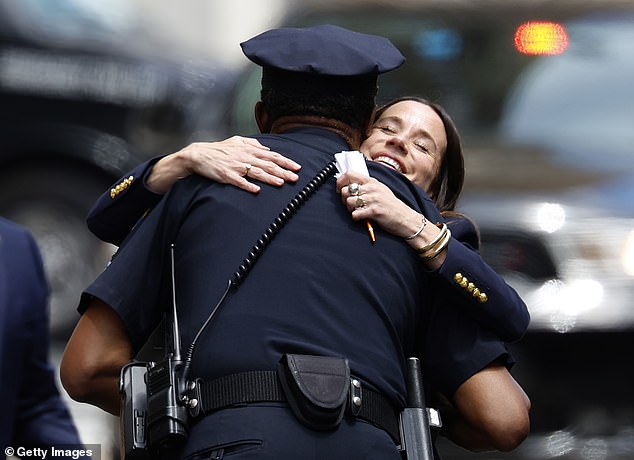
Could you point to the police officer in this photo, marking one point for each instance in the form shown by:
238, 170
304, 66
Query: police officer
342, 306
34, 414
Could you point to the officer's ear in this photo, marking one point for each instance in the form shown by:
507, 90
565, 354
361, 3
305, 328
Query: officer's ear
262, 118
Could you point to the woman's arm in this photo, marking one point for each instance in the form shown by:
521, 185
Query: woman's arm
470, 283
117, 211
112, 217
232, 161
467, 280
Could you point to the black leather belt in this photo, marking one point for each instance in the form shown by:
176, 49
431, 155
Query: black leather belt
264, 386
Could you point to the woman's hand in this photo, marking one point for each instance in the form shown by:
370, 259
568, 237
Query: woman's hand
376, 202
232, 161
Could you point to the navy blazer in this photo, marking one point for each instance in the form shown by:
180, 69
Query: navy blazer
112, 217
33, 413
470, 283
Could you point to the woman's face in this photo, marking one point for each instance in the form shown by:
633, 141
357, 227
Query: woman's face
410, 138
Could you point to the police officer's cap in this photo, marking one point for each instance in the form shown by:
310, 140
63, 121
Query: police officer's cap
324, 58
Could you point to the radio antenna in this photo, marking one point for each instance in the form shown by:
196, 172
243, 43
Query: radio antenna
176, 339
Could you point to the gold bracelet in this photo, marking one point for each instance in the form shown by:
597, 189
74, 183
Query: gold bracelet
439, 249
422, 227
443, 229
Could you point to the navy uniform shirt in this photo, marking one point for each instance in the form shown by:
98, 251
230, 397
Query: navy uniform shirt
321, 287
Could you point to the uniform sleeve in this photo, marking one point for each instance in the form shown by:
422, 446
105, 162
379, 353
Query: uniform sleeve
471, 284
136, 283
456, 347
116, 212
42, 418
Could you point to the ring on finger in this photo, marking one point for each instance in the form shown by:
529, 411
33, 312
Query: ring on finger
354, 189
360, 202
247, 168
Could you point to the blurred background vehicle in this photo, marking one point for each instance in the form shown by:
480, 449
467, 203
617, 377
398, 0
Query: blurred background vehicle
85, 94
542, 93
83, 99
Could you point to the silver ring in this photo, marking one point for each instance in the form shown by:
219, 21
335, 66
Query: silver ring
360, 202
247, 168
354, 189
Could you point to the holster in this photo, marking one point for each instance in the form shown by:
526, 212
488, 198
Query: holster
316, 388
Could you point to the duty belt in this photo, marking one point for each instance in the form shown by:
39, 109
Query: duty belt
264, 386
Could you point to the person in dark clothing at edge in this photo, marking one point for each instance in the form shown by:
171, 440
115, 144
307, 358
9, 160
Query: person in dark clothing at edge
374, 304
34, 413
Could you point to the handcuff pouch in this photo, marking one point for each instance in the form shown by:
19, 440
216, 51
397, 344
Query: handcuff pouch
316, 388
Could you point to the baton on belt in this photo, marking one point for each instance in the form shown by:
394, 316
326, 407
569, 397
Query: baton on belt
416, 439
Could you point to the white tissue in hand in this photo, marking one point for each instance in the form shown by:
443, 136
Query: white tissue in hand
351, 161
